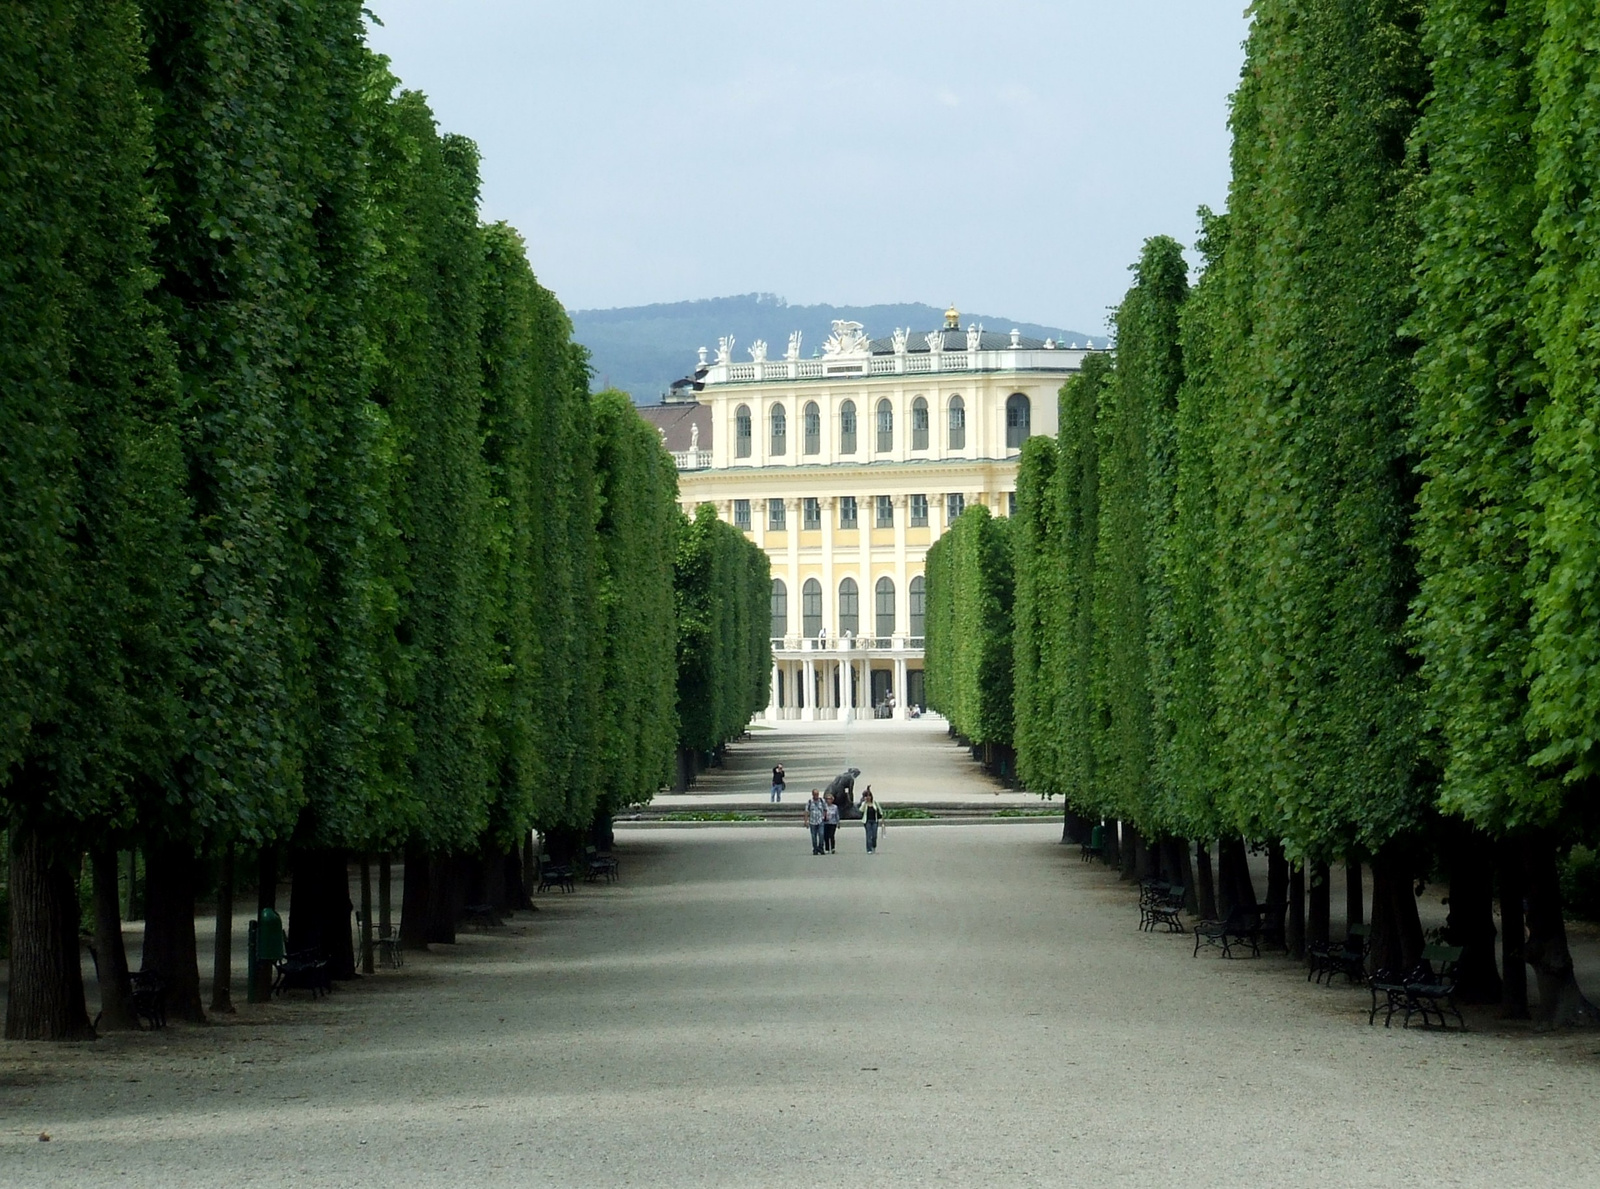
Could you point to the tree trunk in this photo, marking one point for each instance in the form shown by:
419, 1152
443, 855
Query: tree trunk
1354, 912
1272, 923
1237, 889
529, 860
516, 882
444, 899
1513, 934
1317, 929
1132, 853
169, 949
367, 935
116, 992
1561, 1001
1146, 858
46, 1000
1111, 843
320, 908
1294, 937
1469, 859
1183, 873
1074, 826
385, 878
1204, 884
1396, 930
222, 962
414, 898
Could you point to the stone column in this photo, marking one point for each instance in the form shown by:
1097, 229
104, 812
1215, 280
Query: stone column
830, 596
902, 597
809, 713
899, 687
772, 695
792, 566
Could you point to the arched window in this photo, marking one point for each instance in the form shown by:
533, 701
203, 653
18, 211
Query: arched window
849, 607
1018, 414
811, 609
780, 609
958, 423
918, 592
741, 432
885, 426
847, 427
919, 424
813, 428
780, 431
885, 607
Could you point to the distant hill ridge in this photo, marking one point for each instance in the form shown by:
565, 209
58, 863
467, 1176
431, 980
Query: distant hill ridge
643, 349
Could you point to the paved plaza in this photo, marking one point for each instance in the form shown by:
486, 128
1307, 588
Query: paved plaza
971, 1007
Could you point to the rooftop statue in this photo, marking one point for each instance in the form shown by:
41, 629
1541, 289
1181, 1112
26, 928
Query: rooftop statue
694, 436
935, 340
758, 351
847, 338
725, 349
899, 341
794, 346
974, 336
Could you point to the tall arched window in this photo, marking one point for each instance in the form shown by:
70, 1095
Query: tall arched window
919, 424
918, 593
849, 607
885, 426
811, 609
885, 607
780, 431
1018, 414
813, 418
847, 427
958, 423
780, 609
741, 432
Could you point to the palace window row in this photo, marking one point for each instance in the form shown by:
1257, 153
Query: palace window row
1018, 426
849, 618
955, 503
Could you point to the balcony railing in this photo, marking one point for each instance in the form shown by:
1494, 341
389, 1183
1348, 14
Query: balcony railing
691, 460
847, 644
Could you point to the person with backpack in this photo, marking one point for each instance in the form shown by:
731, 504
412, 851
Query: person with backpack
816, 819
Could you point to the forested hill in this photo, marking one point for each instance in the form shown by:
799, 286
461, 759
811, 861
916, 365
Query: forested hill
642, 349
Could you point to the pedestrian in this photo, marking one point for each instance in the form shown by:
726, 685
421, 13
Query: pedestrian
777, 782
871, 816
830, 824
816, 819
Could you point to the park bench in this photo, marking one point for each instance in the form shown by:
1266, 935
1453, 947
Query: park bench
1165, 909
599, 864
1094, 846
1150, 891
1428, 990
385, 942
1348, 958
554, 875
303, 970
1242, 926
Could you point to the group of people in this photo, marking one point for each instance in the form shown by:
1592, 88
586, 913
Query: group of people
822, 817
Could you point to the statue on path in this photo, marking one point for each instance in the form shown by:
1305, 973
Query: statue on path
843, 789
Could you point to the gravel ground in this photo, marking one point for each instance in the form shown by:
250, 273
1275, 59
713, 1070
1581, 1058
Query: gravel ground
972, 1006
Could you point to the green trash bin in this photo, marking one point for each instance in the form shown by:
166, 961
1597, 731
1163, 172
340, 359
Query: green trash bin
266, 948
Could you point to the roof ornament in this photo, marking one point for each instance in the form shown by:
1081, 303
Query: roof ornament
974, 336
758, 351
848, 338
1016, 337
952, 318
725, 349
900, 341
694, 435
702, 357
935, 341
1049, 344
794, 346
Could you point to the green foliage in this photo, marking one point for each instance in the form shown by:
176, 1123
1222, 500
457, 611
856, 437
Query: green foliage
1580, 883
1316, 690
1038, 631
1478, 385
92, 560
968, 641
1132, 600
637, 538
723, 584
1564, 697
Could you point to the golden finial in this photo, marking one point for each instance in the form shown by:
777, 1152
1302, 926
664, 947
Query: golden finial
952, 318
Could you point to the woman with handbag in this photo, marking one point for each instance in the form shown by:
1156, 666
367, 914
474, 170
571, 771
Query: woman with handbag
872, 818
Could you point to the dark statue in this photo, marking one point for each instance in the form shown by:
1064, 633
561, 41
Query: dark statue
843, 789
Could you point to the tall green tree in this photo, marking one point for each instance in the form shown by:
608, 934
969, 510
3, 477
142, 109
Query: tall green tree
92, 559
968, 642
1038, 628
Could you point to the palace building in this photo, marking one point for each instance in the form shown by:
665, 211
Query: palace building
845, 467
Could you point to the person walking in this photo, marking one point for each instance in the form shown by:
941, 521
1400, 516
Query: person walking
778, 782
871, 817
830, 824
816, 819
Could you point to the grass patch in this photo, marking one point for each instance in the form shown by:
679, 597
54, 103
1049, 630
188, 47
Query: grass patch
905, 813
1026, 813
726, 815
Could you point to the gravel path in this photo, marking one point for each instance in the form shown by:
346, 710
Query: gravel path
972, 1006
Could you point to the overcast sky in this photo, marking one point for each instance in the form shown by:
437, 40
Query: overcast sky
1008, 157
